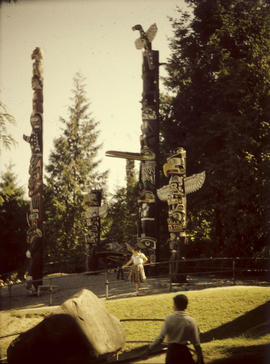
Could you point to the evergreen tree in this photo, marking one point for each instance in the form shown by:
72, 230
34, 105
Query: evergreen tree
120, 224
13, 209
72, 173
219, 75
6, 140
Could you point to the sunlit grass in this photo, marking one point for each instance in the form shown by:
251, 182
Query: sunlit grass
211, 307
222, 311
230, 319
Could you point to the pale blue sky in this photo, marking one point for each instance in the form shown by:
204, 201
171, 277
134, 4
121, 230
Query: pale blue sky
95, 38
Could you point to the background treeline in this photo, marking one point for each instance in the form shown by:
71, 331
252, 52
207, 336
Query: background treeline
216, 106
219, 77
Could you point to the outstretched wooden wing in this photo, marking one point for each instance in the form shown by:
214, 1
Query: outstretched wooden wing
125, 155
146, 156
139, 43
163, 193
194, 183
149, 35
151, 32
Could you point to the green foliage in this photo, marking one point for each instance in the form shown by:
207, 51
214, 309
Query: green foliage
6, 140
13, 224
219, 76
71, 173
120, 224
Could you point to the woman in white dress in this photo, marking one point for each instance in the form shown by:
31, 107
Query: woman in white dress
137, 274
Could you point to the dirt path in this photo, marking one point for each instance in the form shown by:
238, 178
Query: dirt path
66, 285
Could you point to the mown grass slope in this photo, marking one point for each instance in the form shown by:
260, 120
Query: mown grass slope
234, 321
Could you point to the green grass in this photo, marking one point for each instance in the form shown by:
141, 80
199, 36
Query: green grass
231, 319
234, 321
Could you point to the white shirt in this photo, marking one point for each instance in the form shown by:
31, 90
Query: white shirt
180, 328
138, 259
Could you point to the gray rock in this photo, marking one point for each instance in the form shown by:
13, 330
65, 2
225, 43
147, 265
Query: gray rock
58, 339
103, 331
82, 332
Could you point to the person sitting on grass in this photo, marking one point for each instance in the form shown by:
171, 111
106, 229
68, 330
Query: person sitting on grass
180, 329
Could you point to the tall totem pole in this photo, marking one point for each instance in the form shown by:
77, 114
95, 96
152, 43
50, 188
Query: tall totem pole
149, 140
34, 253
175, 194
93, 214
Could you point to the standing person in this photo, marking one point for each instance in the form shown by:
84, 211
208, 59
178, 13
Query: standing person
137, 274
180, 329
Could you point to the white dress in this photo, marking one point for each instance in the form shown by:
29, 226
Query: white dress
137, 273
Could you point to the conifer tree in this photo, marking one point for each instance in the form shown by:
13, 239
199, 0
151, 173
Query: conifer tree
13, 209
6, 140
219, 75
121, 221
72, 172
120, 224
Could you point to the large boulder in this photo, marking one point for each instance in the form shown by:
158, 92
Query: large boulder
83, 332
58, 339
103, 331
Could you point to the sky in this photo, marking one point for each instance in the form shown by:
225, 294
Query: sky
95, 38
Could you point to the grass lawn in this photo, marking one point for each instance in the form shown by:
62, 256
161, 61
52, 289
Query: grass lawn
234, 321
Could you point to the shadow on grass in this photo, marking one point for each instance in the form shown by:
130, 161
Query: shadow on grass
257, 354
138, 354
254, 323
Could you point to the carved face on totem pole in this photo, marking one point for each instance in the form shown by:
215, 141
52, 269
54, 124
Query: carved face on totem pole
37, 54
36, 121
175, 194
36, 83
176, 170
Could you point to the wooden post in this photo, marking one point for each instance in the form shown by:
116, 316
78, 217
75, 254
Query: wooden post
233, 268
51, 292
93, 214
106, 285
9, 295
170, 273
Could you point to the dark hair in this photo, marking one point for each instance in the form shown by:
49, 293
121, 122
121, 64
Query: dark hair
180, 301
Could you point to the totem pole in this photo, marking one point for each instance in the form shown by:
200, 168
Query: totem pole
149, 140
93, 214
175, 195
34, 253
